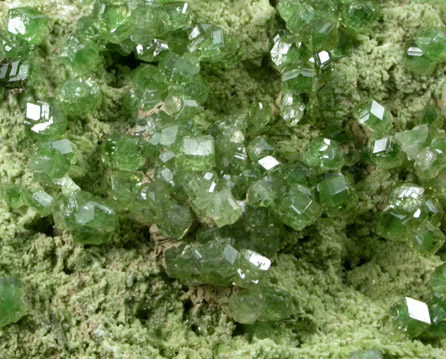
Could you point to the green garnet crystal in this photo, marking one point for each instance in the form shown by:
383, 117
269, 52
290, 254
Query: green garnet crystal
112, 19
13, 195
375, 117
28, 24
336, 192
40, 201
125, 152
12, 308
260, 304
411, 316
386, 153
14, 74
437, 309
90, 219
81, 54
44, 121
360, 13
323, 154
79, 97
432, 42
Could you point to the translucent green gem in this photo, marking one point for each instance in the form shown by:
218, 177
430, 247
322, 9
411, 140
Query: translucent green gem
260, 148
224, 209
432, 42
417, 62
65, 147
265, 191
48, 164
112, 20
13, 74
175, 15
44, 121
437, 309
337, 192
260, 304
179, 68
125, 152
429, 162
323, 33
386, 153
259, 115
360, 13
292, 108
231, 150
28, 24
40, 201
393, 226
197, 153
410, 316
297, 208
151, 51
412, 141
438, 281
323, 155
79, 97
13, 47
365, 354
285, 51
12, 307
427, 239
299, 77
252, 268
295, 13
173, 220
90, 218
430, 115
124, 187
82, 55
210, 43
214, 262
375, 117
13, 195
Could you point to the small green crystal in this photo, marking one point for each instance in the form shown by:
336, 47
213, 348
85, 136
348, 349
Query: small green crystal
323, 154
252, 268
260, 148
179, 68
197, 153
224, 209
386, 153
285, 51
297, 208
12, 307
412, 141
295, 13
337, 192
48, 164
265, 191
299, 77
90, 219
125, 152
260, 114
427, 239
28, 24
417, 62
429, 162
176, 15
112, 20
13, 195
13, 74
437, 309
79, 97
393, 225
40, 201
430, 115
432, 41
260, 304
124, 186
81, 54
410, 316
150, 52
14, 47
438, 281
292, 108
360, 13
375, 117
44, 121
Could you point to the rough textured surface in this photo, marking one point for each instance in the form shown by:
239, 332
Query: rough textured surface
115, 300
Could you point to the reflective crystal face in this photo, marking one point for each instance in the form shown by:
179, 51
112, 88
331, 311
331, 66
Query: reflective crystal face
386, 153
336, 192
44, 121
300, 77
13, 73
197, 153
411, 316
323, 154
375, 117
28, 24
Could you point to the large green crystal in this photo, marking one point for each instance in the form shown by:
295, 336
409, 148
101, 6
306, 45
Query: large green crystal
299, 77
81, 54
79, 97
285, 51
265, 191
124, 186
14, 47
12, 307
386, 153
438, 281
13, 74
197, 153
432, 41
13, 195
260, 304
360, 13
412, 141
437, 309
429, 162
410, 316
44, 121
28, 24
337, 192
427, 239
417, 62
112, 20
40, 201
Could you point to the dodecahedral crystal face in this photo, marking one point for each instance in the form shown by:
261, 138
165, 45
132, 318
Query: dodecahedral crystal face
28, 23
323, 154
14, 73
411, 316
81, 54
375, 117
78, 97
12, 308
